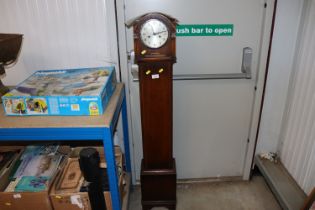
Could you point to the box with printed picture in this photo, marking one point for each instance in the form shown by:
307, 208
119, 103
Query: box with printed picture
84, 91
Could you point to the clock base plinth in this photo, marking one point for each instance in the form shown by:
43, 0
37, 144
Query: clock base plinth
158, 187
148, 205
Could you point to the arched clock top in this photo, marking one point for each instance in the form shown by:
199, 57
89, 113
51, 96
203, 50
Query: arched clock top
154, 37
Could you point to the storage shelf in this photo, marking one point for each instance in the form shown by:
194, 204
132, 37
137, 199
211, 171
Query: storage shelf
47, 128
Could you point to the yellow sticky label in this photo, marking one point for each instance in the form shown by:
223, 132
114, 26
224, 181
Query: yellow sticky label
161, 70
143, 52
148, 72
58, 197
7, 204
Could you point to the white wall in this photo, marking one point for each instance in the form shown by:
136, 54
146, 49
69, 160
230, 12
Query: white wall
59, 34
281, 61
297, 148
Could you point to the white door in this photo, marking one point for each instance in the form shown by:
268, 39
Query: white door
214, 101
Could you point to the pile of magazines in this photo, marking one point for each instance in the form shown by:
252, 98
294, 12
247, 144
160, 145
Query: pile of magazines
36, 167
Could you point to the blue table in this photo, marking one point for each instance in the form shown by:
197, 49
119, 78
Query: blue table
84, 128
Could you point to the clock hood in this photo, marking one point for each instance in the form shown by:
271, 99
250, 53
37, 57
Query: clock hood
134, 21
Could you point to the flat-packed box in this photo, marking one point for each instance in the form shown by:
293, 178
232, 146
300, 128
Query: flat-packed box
84, 91
67, 195
27, 200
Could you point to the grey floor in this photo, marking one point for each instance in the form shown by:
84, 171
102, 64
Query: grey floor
237, 195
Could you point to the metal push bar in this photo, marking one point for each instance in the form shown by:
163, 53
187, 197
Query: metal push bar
246, 70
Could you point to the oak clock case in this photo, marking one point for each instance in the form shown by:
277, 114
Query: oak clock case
154, 46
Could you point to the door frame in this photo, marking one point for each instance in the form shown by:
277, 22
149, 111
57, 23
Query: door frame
266, 38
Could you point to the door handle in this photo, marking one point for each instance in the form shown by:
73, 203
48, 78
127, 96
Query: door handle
247, 62
135, 72
134, 67
246, 69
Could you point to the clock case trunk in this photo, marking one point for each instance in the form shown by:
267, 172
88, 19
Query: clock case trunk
156, 115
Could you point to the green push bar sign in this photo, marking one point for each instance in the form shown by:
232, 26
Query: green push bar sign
205, 30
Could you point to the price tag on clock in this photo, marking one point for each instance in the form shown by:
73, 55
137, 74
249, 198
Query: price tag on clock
155, 76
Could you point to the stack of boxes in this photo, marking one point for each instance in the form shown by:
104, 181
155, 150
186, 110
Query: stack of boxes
72, 197
12, 199
77, 198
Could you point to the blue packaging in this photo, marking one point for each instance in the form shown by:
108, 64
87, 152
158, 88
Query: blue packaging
84, 91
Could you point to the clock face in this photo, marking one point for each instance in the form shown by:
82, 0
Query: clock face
154, 33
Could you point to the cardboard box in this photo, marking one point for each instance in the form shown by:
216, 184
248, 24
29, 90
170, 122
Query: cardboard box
26, 200
62, 92
80, 200
10, 162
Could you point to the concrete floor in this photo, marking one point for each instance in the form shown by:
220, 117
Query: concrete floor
237, 195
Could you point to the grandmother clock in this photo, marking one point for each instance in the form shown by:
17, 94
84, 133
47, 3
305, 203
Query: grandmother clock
154, 46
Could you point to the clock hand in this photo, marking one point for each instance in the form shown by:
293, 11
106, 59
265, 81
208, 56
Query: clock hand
159, 32
152, 27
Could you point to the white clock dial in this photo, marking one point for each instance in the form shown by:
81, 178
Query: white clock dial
154, 33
